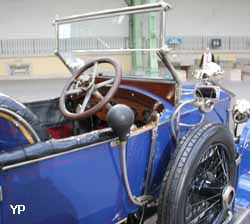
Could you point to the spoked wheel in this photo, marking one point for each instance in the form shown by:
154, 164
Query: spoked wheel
211, 181
200, 180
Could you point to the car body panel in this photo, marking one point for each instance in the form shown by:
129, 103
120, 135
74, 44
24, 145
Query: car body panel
243, 190
85, 185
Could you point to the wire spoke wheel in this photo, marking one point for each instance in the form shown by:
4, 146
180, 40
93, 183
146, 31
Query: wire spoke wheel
198, 187
204, 202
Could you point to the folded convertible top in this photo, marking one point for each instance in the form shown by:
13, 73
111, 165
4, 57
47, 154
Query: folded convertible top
51, 147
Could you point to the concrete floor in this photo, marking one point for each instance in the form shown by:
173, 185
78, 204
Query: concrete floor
30, 90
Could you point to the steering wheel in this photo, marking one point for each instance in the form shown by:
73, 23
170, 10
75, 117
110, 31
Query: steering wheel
85, 84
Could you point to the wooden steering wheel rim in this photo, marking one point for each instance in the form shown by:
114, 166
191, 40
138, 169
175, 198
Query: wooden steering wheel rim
102, 102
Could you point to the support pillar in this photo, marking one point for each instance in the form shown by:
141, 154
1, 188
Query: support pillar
153, 42
136, 38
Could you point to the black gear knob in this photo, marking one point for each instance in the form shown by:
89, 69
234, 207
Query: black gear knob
120, 118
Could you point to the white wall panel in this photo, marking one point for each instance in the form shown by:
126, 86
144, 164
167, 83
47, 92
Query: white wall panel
32, 18
209, 17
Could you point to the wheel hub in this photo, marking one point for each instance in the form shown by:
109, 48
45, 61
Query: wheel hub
228, 196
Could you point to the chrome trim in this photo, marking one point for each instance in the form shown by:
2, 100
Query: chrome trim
188, 112
142, 129
119, 50
139, 79
1, 193
164, 58
193, 125
58, 54
123, 151
176, 117
161, 7
177, 114
22, 120
57, 35
153, 7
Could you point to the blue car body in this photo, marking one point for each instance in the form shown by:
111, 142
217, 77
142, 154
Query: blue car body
78, 179
85, 185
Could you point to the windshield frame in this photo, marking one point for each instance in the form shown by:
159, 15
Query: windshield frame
161, 7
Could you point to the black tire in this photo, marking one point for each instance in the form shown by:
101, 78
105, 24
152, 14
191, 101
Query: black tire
177, 183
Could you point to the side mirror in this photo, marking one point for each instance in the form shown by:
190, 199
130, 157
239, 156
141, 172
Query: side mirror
120, 118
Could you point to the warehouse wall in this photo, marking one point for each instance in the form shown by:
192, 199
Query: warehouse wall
32, 19
209, 17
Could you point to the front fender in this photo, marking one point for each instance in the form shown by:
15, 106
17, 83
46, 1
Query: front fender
243, 189
244, 143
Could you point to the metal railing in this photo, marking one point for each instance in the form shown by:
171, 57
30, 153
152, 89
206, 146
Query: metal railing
32, 47
26, 47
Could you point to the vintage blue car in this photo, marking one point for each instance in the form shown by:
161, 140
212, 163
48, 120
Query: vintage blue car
124, 140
